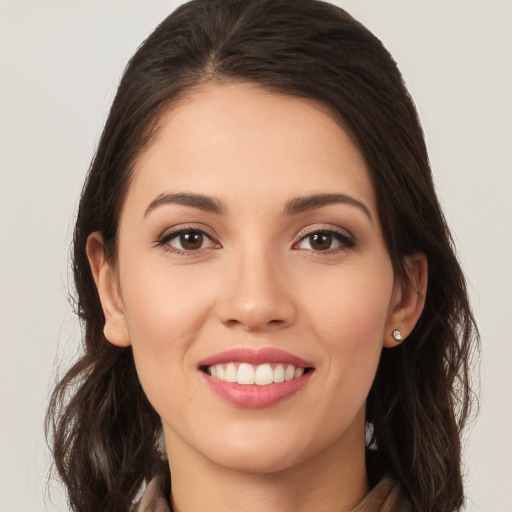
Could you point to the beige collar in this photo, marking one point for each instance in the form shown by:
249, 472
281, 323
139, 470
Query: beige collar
384, 497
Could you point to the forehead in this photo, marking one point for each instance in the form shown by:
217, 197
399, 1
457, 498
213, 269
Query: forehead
242, 142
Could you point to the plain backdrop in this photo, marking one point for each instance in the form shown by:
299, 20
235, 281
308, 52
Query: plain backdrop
60, 62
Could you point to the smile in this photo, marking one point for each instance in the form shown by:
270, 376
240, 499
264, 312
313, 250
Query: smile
255, 379
260, 375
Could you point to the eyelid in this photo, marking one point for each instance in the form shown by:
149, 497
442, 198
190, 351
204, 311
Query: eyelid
174, 231
178, 228
344, 234
324, 228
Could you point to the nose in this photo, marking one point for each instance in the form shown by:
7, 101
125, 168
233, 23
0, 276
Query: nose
256, 293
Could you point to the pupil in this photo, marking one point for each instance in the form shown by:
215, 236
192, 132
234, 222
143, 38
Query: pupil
191, 241
321, 241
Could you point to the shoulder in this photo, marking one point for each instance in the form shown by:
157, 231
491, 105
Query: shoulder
386, 496
155, 497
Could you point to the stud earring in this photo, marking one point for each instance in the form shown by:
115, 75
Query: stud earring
397, 335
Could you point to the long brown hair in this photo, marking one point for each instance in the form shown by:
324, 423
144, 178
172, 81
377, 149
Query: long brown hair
102, 429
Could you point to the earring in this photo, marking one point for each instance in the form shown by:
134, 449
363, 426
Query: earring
397, 335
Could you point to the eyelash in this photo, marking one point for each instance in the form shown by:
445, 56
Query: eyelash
163, 241
345, 240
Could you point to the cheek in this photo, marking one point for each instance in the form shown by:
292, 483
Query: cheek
349, 318
164, 312
160, 310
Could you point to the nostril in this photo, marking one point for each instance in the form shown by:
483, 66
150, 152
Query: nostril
233, 322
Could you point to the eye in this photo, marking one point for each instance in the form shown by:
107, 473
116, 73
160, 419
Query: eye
186, 241
325, 240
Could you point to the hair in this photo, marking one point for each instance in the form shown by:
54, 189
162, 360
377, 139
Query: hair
103, 432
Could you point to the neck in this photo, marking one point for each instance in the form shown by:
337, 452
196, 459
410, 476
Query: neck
332, 481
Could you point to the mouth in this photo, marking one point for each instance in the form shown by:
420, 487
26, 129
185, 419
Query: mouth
260, 375
255, 379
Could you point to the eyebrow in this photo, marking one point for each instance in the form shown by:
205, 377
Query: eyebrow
200, 201
306, 203
293, 207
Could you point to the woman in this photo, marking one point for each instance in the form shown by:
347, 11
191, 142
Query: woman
265, 278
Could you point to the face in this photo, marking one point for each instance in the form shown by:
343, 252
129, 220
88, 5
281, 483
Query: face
250, 250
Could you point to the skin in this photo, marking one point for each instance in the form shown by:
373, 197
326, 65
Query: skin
256, 281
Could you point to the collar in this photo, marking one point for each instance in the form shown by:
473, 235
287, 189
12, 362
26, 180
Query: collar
384, 497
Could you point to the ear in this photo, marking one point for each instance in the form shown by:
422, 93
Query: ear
408, 300
115, 328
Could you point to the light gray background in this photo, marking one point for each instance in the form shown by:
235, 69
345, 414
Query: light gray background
60, 62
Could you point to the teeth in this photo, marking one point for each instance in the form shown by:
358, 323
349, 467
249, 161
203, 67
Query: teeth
279, 373
289, 374
231, 373
261, 375
264, 375
245, 374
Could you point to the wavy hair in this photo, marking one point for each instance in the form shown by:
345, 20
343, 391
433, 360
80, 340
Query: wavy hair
101, 427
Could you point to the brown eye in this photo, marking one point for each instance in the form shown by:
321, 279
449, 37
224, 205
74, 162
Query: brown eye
189, 240
319, 241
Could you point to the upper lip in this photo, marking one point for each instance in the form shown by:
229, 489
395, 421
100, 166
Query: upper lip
255, 357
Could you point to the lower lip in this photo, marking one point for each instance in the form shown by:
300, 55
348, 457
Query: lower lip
254, 396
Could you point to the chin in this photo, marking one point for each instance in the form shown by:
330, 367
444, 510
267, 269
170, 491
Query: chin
256, 460
261, 449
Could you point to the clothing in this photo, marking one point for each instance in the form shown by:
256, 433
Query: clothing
384, 497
